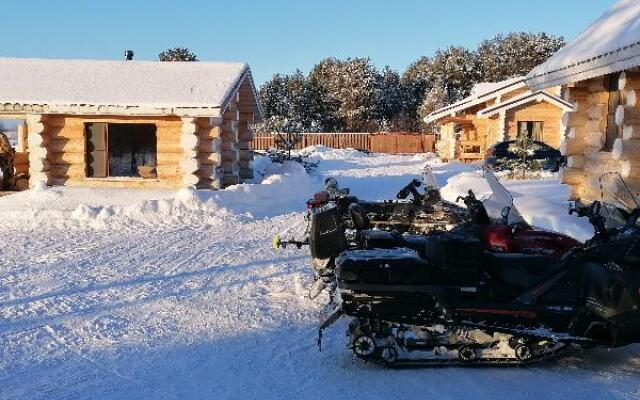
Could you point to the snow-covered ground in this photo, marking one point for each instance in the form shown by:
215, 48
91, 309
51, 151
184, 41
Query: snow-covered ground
156, 294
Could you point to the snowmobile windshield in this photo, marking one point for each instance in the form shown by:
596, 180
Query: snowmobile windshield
428, 179
618, 199
500, 200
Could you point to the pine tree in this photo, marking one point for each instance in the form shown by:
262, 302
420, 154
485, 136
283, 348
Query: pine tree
457, 68
516, 54
390, 103
355, 86
177, 54
433, 99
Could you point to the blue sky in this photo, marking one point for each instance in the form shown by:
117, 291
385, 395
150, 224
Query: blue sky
277, 36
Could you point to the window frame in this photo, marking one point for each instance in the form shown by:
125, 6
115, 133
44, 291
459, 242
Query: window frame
87, 153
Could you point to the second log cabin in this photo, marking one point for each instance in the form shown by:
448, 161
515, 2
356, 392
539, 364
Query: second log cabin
495, 112
130, 123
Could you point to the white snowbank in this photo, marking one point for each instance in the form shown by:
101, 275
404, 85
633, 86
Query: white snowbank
542, 203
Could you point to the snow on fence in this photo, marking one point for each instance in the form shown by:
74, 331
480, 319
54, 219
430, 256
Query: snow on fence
390, 143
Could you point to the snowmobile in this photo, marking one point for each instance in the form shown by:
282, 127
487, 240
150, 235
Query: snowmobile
460, 301
410, 212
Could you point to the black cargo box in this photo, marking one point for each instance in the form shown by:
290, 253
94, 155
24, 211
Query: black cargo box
398, 266
326, 234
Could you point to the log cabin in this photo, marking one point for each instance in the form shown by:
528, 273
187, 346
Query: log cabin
495, 112
130, 123
601, 74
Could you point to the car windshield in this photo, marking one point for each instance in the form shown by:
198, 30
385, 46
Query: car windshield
499, 199
618, 199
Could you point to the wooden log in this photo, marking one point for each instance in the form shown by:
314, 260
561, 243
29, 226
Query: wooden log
65, 145
209, 145
36, 140
595, 140
592, 85
65, 157
229, 166
629, 81
21, 158
245, 155
230, 155
631, 132
39, 164
210, 158
190, 180
571, 176
189, 141
575, 161
71, 171
227, 145
189, 165
169, 158
626, 115
596, 111
570, 146
626, 149
630, 168
22, 138
574, 119
231, 115
595, 126
630, 98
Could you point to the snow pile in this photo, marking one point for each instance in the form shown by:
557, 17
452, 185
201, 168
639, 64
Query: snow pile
541, 203
284, 189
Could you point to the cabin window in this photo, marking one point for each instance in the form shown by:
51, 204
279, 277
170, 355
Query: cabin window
121, 150
615, 99
531, 130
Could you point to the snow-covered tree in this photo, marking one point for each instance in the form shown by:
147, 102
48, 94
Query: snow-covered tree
390, 101
457, 68
177, 54
355, 86
516, 54
295, 103
433, 99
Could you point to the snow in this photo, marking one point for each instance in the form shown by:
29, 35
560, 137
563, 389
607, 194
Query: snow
121, 293
118, 83
609, 44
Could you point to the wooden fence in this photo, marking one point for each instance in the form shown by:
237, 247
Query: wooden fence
391, 143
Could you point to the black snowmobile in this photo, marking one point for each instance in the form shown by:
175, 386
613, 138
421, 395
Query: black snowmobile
412, 211
372, 223
452, 300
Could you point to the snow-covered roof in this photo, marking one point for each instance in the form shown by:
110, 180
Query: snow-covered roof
526, 98
610, 44
138, 87
480, 93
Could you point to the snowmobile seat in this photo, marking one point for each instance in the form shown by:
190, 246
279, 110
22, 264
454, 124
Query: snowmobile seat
376, 239
457, 256
521, 270
380, 269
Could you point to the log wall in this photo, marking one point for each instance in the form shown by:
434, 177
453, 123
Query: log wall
585, 141
549, 114
66, 152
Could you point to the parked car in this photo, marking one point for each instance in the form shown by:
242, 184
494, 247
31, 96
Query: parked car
550, 158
